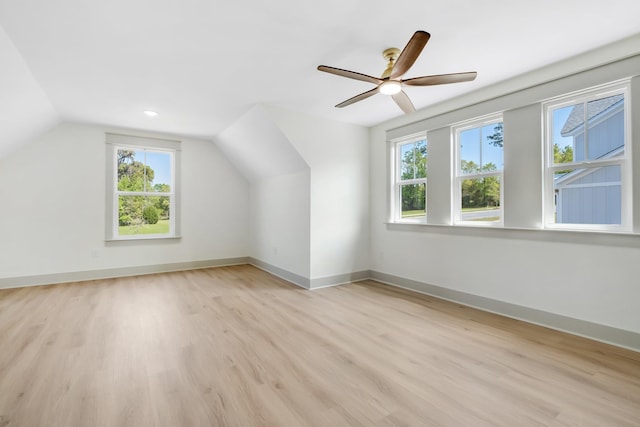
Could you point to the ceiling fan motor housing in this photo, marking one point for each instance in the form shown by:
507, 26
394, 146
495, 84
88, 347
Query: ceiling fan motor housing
390, 55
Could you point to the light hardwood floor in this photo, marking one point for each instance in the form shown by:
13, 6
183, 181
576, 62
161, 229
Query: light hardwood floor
234, 346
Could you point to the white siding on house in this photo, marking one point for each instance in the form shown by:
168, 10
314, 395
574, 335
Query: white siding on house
593, 198
606, 136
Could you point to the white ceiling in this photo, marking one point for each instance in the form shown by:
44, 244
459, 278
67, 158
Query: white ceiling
203, 63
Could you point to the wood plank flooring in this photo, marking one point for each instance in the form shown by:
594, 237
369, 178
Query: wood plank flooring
235, 346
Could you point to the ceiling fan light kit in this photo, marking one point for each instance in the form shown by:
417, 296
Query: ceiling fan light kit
390, 87
398, 63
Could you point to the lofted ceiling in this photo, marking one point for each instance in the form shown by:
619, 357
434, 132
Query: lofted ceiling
201, 64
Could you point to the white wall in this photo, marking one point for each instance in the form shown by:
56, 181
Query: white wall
280, 212
338, 156
279, 203
53, 207
585, 276
309, 192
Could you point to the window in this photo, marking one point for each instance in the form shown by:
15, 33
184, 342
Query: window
478, 172
142, 181
586, 184
410, 180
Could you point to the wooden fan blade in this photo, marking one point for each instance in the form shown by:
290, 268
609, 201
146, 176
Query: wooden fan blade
350, 74
357, 98
410, 53
441, 79
404, 102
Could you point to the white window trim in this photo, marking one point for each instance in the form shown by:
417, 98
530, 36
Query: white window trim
624, 161
458, 177
113, 143
395, 215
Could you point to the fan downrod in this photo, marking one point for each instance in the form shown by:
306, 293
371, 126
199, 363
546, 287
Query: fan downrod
390, 55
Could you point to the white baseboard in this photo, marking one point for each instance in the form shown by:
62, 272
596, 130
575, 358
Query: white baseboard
583, 328
294, 278
595, 331
78, 276
340, 279
318, 283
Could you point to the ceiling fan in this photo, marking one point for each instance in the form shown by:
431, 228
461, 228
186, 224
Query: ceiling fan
398, 63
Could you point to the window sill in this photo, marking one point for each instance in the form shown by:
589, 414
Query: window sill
144, 239
478, 224
607, 238
411, 222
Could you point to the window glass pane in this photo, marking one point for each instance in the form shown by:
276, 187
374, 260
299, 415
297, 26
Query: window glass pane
413, 160
132, 173
413, 200
143, 215
470, 161
481, 199
159, 166
162, 205
588, 196
130, 212
492, 147
605, 127
567, 124
407, 165
421, 159
481, 149
602, 137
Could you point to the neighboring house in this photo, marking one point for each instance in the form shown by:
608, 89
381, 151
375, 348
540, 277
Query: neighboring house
593, 195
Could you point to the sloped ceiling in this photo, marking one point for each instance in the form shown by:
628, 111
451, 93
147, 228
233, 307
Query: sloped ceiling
257, 147
203, 64
25, 110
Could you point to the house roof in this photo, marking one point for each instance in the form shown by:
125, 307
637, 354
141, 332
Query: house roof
594, 108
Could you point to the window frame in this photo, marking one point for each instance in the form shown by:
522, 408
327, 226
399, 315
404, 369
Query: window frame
115, 142
458, 177
397, 182
624, 161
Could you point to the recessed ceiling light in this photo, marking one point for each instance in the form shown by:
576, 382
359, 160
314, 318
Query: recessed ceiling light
150, 113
